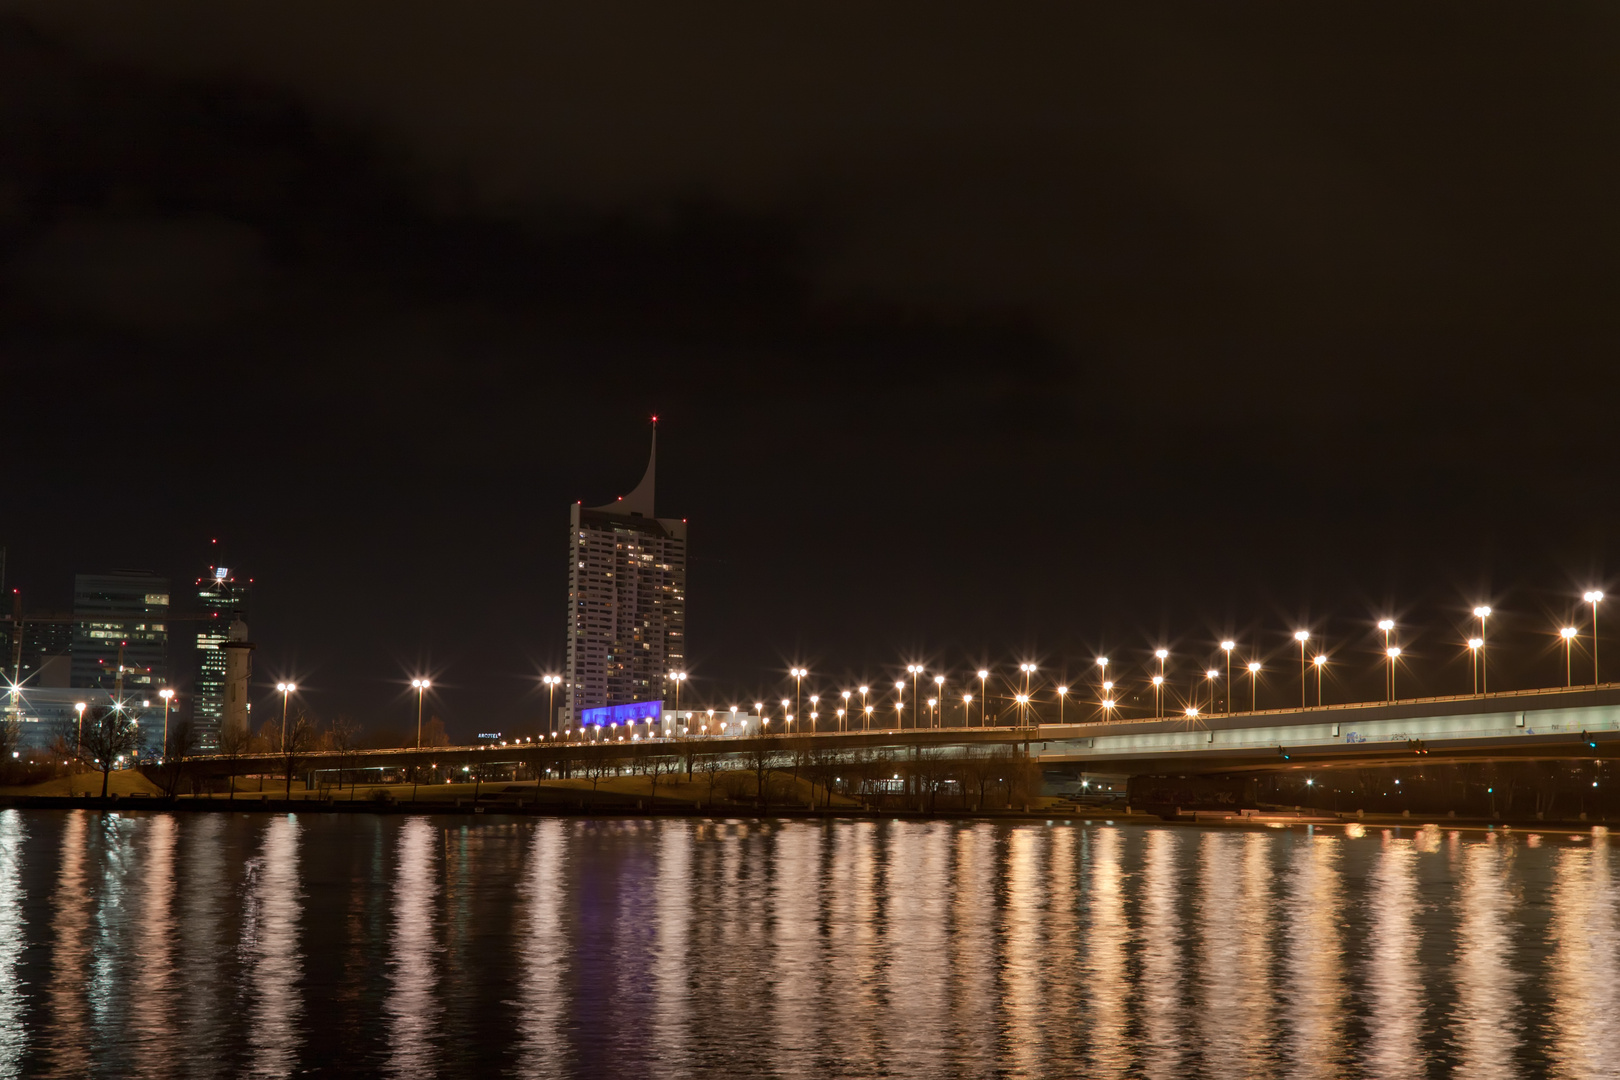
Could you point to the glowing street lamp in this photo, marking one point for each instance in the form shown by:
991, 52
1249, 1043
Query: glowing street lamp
1227, 647
1320, 661
1158, 695
900, 692
866, 712
1568, 634
866, 719
419, 685
1302, 636
1254, 685
844, 712
1394, 652
1386, 625
1108, 708
1594, 597
1062, 692
287, 688
167, 695
1023, 708
1192, 712
815, 699
551, 682
915, 670
1482, 613
798, 674
78, 707
984, 694
939, 689
1212, 674
967, 709
1474, 645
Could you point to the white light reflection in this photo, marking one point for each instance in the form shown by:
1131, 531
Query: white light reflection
12, 927
543, 950
1106, 959
412, 1003
1583, 963
152, 1014
1487, 987
671, 959
1313, 977
1163, 965
1392, 1049
1234, 906
270, 947
1025, 954
68, 1042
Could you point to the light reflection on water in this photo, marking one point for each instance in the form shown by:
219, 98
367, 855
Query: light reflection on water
203, 945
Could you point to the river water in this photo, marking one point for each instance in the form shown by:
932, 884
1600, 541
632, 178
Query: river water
175, 945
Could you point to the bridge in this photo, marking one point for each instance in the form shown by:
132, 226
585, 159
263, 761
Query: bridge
1552, 724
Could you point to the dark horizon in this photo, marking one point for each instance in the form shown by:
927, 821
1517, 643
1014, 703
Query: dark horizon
1107, 331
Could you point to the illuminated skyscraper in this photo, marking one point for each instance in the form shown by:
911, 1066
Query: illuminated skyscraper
222, 598
626, 600
131, 632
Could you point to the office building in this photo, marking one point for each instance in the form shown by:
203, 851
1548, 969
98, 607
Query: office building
626, 600
121, 635
222, 599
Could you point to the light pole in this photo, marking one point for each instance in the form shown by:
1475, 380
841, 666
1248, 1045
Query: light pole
1158, 696
984, 694
900, 700
421, 687
916, 671
1481, 613
1320, 660
967, 709
287, 688
1568, 634
933, 704
939, 690
78, 707
1254, 685
866, 713
551, 682
759, 708
1394, 652
677, 677
815, 699
845, 712
1107, 697
1102, 670
167, 695
1212, 674
798, 674
1474, 645
1386, 625
1107, 708
1594, 597
1302, 636
1227, 647
1063, 692
1023, 707
787, 718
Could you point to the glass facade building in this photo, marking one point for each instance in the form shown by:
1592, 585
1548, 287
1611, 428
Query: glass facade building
127, 608
626, 601
222, 598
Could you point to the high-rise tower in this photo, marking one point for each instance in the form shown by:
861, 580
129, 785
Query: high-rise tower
626, 599
121, 633
224, 599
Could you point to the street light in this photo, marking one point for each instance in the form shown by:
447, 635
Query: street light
419, 685
78, 707
1320, 660
984, 694
1474, 645
815, 699
1062, 692
844, 712
551, 682
1023, 708
1386, 625
1158, 695
1394, 652
1254, 685
798, 674
1594, 597
939, 688
1481, 613
865, 711
1568, 634
915, 670
287, 688
677, 677
1227, 647
967, 709
1302, 636
167, 695
1212, 674
900, 692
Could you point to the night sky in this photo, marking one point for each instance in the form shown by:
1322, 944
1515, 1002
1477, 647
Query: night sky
977, 334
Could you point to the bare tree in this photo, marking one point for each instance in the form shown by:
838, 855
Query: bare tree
711, 771
183, 742
761, 754
343, 735
107, 737
233, 743
300, 740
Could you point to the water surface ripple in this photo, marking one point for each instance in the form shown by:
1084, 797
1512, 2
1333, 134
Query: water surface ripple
154, 944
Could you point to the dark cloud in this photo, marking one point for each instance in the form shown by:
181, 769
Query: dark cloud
970, 330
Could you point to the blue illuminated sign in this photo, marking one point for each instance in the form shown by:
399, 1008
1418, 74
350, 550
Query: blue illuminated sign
634, 713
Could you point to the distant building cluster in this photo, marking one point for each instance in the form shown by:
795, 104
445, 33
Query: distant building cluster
112, 650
